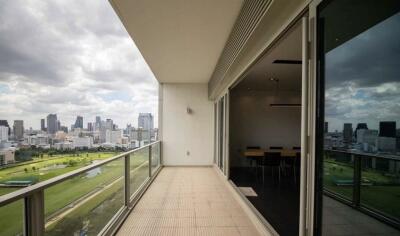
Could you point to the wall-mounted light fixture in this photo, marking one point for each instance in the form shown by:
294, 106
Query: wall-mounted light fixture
189, 110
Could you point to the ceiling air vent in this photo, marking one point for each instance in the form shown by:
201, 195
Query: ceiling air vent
250, 15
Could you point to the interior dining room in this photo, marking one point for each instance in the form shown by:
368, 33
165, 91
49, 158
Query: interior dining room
265, 133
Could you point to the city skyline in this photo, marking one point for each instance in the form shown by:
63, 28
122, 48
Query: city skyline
134, 122
80, 64
364, 87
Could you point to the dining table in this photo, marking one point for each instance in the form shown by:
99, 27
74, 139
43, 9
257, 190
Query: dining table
261, 152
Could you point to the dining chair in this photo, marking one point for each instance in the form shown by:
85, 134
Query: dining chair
272, 160
253, 159
297, 163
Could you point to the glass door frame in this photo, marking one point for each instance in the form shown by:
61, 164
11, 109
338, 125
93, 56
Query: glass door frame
221, 117
317, 127
314, 198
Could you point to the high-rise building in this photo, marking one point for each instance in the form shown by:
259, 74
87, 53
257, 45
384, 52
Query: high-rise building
97, 124
387, 129
42, 125
52, 124
347, 132
98, 119
3, 133
5, 123
18, 129
79, 122
146, 121
326, 127
90, 126
64, 128
109, 124
398, 139
360, 126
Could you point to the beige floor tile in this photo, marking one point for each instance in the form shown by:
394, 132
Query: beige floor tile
187, 201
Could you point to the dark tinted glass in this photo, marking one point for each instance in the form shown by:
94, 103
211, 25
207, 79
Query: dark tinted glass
359, 53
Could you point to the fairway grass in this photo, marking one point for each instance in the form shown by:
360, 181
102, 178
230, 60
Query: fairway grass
99, 203
383, 195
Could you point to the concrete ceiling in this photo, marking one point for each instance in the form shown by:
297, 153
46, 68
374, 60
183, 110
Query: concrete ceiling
181, 40
289, 75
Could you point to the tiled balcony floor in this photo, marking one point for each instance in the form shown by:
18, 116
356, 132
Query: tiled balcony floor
188, 201
342, 220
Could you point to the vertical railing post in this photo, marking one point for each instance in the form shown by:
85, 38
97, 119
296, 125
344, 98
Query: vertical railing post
127, 179
160, 153
34, 214
150, 161
357, 180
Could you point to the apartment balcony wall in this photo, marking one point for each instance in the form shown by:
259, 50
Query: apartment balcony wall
187, 124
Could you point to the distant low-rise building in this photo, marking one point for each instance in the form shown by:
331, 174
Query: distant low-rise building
82, 142
367, 136
113, 136
7, 156
386, 144
37, 140
63, 146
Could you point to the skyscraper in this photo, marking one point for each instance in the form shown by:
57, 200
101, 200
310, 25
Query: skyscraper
52, 123
97, 124
347, 132
79, 122
109, 124
5, 123
387, 129
42, 125
18, 129
90, 126
3, 133
325, 127
360, 126
98, 119
145, 121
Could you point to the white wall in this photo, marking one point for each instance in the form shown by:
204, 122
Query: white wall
254, 123
183, 132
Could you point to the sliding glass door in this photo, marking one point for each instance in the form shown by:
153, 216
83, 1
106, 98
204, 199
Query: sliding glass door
221, 110
358, 117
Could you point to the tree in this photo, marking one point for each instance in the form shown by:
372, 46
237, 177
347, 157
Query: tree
33, 168
26, 170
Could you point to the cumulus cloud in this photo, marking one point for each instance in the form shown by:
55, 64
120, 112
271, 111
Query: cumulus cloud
72, 58
363, 78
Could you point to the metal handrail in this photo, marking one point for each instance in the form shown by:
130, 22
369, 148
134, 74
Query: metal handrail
355, 202
24, 192
377, 155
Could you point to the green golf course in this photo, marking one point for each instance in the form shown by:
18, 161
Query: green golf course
84, 203
379, 190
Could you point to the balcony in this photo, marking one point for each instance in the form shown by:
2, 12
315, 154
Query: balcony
188, 201
92, 200
364, 187
129, 194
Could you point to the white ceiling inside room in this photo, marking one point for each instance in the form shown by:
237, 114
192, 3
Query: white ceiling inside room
289, 75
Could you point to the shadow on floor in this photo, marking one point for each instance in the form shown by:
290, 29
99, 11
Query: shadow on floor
277, 201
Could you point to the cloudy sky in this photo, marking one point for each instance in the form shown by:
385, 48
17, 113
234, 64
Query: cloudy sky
363, 78
70, 57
